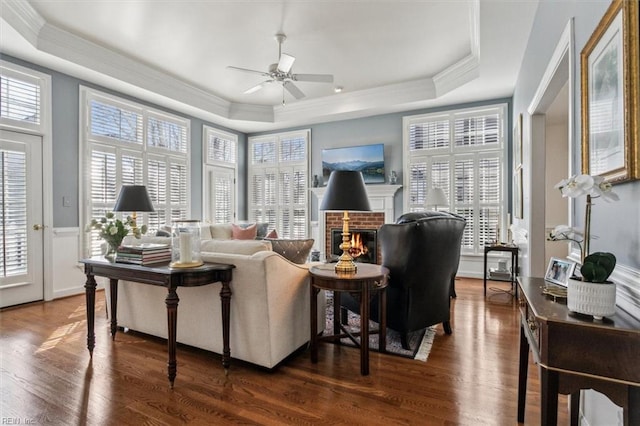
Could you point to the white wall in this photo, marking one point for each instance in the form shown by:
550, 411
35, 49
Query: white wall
68, 274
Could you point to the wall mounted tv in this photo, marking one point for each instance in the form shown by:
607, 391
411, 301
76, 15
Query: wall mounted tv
368, 159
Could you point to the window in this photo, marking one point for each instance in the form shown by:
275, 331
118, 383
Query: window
220, 169
279, 182
21, 97
461, 152
129, 144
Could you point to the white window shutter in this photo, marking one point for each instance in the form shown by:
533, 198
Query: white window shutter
13, 216
20, 99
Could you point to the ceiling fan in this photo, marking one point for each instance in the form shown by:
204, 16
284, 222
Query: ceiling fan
281, 73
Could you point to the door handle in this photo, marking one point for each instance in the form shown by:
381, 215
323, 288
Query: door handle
38, 227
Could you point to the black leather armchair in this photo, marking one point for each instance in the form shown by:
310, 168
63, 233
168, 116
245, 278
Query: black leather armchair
422, 252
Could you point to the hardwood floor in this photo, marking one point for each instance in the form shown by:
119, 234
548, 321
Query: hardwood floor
470, 377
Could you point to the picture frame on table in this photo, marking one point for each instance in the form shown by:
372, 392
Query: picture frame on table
610, 95
559, 271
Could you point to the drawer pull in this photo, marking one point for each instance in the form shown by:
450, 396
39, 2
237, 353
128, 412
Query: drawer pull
532, 325
522, 303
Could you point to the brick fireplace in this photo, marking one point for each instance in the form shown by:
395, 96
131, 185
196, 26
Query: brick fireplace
358, 222
381, 199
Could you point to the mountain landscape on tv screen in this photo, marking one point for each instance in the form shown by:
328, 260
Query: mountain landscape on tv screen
372, 171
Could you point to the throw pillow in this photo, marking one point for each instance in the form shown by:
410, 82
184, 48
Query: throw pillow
240, 233
162, 233
296, 251
262, 228
272, 234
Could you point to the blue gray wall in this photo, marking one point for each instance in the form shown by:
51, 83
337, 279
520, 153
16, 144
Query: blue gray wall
617, 225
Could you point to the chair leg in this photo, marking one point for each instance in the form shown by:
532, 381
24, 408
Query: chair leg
447, 327
452, 288
344, 315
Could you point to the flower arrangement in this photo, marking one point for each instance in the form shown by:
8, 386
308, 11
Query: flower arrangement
113, 230
574, 187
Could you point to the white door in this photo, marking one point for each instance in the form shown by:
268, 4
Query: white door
220, 189
21, 247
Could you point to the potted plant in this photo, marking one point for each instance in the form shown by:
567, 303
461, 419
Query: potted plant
592, 293
113, 230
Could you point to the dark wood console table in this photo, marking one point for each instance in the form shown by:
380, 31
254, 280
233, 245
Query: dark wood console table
368, 279
159, 275
574, 352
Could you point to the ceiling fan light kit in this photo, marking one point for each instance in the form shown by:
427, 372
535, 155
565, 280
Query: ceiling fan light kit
280, 72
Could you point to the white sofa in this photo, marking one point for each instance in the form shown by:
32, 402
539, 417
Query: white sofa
269, 305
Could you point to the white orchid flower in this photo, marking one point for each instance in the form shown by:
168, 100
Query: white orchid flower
565, 232
579, 185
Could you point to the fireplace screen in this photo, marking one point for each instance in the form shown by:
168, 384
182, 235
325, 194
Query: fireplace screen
364, 244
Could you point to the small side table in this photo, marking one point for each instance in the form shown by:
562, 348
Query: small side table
368, 279
513, 249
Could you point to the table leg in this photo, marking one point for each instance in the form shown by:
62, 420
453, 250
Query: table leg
631, 413
225, 298
574, 409
382, 315
548, 397
172, 320
514, 273
337, 313
522, 374
364, 330
484, 274
314, 323
113, 283
90, 294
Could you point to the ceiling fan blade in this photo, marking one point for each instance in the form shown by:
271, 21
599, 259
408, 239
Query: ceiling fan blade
293, 89
318, 78
248, 70
285, 63
257, 87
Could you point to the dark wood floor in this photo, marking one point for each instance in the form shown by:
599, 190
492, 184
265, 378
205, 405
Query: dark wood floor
470, 377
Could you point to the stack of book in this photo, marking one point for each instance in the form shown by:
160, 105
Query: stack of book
144, 254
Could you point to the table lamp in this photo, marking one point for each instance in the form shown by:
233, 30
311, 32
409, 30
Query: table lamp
436, 197
133, 198
345, 191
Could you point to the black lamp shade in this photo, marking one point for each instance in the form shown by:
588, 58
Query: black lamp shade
133, 198
345, 191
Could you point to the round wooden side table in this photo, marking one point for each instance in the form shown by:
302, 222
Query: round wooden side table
366, 281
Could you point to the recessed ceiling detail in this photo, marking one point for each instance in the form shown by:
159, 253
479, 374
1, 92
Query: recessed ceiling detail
168, 53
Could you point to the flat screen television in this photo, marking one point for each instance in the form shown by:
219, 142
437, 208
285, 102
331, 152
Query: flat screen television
368, 159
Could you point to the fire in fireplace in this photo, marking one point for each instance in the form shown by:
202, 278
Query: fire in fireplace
364, 244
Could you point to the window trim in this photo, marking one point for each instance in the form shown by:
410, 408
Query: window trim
453, 151
86, 141
211, 166
278, 166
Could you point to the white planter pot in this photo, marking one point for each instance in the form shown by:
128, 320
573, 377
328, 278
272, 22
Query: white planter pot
594, 299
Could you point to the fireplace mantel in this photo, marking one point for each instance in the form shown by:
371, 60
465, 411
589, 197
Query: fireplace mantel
380, 199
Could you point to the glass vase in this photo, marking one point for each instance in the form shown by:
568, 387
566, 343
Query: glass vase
185, 244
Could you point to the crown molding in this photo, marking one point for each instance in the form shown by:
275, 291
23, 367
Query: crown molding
176, 93
23, 18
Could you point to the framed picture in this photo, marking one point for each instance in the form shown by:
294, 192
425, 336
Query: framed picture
517, 193
559, 271
368, 159
610, 95
517, 143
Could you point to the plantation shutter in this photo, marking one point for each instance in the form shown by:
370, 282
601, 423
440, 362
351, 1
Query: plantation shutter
20, 98
279, 180
220, 150
220, 158
223, 192
483, 130
13, 216
163, 133
115, 122
460, 152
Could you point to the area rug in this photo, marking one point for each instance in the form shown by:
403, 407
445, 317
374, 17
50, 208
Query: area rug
419, 341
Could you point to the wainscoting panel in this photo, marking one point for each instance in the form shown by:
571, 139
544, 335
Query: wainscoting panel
68, 273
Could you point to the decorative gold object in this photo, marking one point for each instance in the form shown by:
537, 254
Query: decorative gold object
345, 261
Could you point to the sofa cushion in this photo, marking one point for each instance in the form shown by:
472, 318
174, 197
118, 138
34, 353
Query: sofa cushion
221, 231
247, 247
296, 251
240, 233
